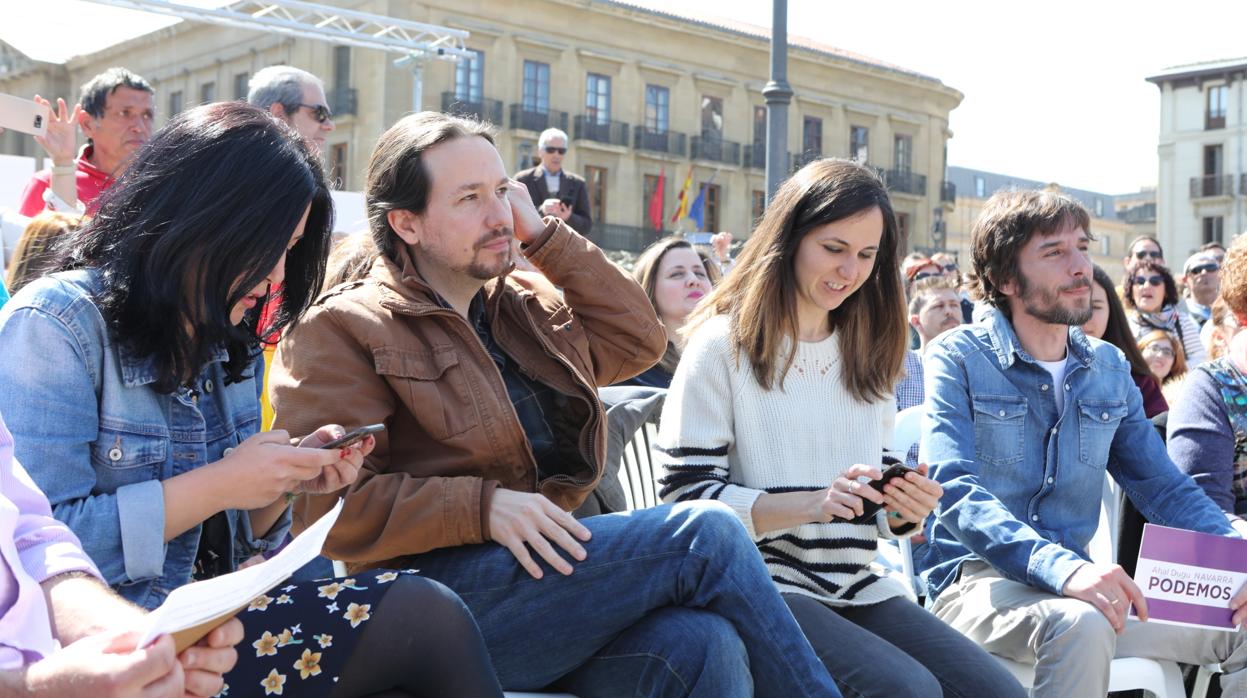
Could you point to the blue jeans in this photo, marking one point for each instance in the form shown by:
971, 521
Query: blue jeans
897, 649
671, 601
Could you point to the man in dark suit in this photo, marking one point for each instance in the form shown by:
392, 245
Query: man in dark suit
555, 191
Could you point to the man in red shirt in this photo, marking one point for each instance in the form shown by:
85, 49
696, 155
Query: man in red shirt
118, 108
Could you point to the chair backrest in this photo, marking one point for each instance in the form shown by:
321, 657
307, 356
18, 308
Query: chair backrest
638, 475
1102, 548
907, 430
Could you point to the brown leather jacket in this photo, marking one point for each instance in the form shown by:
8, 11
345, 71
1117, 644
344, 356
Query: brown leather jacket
383, 350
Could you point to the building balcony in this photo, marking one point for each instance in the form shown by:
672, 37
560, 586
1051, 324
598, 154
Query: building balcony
590, 129
343, 100
1142, 213
755, 156
716, 150
630, 238
1209, 186
668, 142
799, 160
906, 182
482, 110
948, 192
527, 119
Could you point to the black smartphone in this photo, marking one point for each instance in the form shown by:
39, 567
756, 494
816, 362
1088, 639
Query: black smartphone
354, 436
869, 508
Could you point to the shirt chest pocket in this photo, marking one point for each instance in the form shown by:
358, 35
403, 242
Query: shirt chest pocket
1097, 424
124, 456
434, 386
999, 429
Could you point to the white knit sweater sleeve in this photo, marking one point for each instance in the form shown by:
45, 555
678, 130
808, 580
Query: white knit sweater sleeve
697, 432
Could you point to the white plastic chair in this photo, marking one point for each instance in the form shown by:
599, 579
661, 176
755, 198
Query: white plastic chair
907, 431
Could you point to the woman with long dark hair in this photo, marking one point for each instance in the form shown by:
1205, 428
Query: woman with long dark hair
131, 381
783, 403
1150, 296
1108, 322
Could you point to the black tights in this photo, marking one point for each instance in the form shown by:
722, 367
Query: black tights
422, 641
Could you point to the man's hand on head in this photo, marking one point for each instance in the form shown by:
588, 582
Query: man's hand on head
528, 224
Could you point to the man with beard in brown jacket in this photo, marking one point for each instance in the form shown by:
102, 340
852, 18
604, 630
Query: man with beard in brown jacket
486, 379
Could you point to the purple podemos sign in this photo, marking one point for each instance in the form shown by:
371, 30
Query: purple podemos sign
1189, 578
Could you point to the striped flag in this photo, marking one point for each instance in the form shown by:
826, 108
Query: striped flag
682, 209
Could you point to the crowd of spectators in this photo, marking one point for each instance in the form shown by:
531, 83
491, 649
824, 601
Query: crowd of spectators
186, 331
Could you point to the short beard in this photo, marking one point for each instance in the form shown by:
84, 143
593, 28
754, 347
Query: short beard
478, 270
1045, 305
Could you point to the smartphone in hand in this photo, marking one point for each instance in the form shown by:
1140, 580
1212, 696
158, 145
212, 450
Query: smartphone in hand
354, 436
24, 115
894, 470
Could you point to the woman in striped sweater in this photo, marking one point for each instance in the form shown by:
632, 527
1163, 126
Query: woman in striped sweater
781, 406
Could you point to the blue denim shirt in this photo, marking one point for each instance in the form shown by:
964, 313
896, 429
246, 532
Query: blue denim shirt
99, 440
1022, 488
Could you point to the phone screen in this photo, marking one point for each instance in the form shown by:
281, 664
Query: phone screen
354, 436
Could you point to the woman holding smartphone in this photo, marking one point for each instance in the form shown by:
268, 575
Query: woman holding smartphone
782, 404
131, 383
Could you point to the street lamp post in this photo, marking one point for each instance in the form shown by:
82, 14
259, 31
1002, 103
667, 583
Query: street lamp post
778, 94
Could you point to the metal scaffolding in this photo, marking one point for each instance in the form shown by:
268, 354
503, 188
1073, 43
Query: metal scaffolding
416, 41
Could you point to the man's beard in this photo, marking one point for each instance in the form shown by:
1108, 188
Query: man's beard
1045, 305
484, 272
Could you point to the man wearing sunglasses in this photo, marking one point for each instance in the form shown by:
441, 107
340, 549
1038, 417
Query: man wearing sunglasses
296, 97
1201, 282
1144, 247
555, 191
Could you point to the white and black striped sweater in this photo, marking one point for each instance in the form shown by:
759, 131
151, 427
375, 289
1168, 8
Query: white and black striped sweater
724, 437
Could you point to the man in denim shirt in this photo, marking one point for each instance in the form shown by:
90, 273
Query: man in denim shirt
1025, 415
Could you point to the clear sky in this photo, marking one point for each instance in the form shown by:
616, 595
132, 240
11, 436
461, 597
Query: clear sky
1054, 90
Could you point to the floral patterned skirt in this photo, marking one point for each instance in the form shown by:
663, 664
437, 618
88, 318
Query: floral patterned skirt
300, 636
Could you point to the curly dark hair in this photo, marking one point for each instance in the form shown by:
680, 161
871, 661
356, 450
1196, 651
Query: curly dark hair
1143, 269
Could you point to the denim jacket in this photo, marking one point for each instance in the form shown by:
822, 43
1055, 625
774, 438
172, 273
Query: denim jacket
98, 440
1022, 487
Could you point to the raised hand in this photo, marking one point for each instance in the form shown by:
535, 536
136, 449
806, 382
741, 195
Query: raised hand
61, 139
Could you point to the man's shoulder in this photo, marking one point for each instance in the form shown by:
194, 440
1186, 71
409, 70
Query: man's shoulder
573, 177
1107, 356
530, 173
963, 340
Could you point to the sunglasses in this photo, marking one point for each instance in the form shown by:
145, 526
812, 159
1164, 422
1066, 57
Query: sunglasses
319, 112
1156, 280
924, 275
950, 267
552, 150
1144, 254
1158, 350
1199, 269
